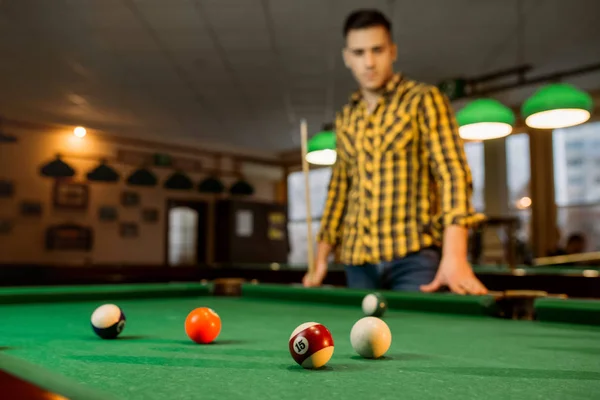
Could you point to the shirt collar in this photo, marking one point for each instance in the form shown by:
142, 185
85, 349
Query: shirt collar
391, 87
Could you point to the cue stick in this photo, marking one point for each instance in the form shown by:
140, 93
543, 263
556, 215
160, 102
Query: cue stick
566, 259
305, 168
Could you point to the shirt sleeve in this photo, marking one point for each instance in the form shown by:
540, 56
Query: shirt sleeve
335, 204
447, 160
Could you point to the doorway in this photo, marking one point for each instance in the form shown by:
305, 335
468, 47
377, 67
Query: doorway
187, 227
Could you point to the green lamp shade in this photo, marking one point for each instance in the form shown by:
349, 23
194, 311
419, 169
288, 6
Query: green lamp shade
558, 105
321, 148
142, 177
179, 181
103, 173
485, 119
57, 168
241, 188
211, 185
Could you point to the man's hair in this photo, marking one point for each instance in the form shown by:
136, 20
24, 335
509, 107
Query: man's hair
576, 237
366, 18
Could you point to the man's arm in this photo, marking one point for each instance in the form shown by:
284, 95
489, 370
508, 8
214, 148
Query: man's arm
328, 236
455, 241
449, 165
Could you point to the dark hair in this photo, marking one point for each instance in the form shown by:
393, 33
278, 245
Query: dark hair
576, 237
366, 18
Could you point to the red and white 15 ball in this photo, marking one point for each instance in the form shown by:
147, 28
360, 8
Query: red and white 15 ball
311, 345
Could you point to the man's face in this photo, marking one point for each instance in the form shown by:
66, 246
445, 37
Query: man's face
370, 54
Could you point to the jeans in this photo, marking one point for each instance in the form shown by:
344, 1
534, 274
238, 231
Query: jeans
404, 274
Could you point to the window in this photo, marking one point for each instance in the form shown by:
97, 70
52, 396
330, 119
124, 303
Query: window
576, 158
518, 172
583, 219
518, 178
318, 180
183, 228
297, 211
577, 182
298, 233
475, 158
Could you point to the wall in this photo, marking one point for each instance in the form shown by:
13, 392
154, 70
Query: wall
20, 162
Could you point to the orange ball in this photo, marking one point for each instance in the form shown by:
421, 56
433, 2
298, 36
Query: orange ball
203, 325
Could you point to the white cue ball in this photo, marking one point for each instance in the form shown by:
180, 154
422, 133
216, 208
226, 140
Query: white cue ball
370, 337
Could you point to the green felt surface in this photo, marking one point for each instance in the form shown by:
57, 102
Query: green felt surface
413, 301
574, 310
571, 270
19, 295
434, 356
499, 269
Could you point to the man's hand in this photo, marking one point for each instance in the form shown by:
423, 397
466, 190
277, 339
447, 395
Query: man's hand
456, 273
315, 279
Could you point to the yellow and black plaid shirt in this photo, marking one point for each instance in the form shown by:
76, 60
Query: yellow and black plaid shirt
400, 178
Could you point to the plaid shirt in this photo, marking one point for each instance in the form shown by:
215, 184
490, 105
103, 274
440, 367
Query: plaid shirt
400, 178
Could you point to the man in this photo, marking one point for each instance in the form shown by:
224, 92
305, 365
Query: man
399, 198
576, 243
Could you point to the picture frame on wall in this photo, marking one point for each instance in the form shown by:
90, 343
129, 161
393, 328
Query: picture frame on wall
69, 237
107, 213
7, 189
130, 199
70, 195
150, 215
129, 230
31, 208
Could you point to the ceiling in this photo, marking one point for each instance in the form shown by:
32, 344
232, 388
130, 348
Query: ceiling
243, 73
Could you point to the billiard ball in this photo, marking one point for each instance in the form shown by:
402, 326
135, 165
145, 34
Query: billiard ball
370, 337
311, 345
374, 305
203, 325
108, 321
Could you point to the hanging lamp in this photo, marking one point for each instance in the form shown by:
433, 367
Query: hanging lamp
212, 185
142, 177
5, 137
557, 105
103, 173
241, 188
57, 168
178, 181
321, 148
485, 119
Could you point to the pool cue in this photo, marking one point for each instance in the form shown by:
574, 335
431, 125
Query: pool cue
305, 169
566, 259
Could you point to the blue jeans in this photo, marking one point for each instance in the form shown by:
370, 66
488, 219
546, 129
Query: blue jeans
405, 274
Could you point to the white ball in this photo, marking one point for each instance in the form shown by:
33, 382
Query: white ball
370, 337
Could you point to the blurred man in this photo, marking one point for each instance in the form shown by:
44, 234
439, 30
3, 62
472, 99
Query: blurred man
399, 201
576, 244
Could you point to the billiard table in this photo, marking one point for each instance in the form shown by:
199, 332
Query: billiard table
443, 346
